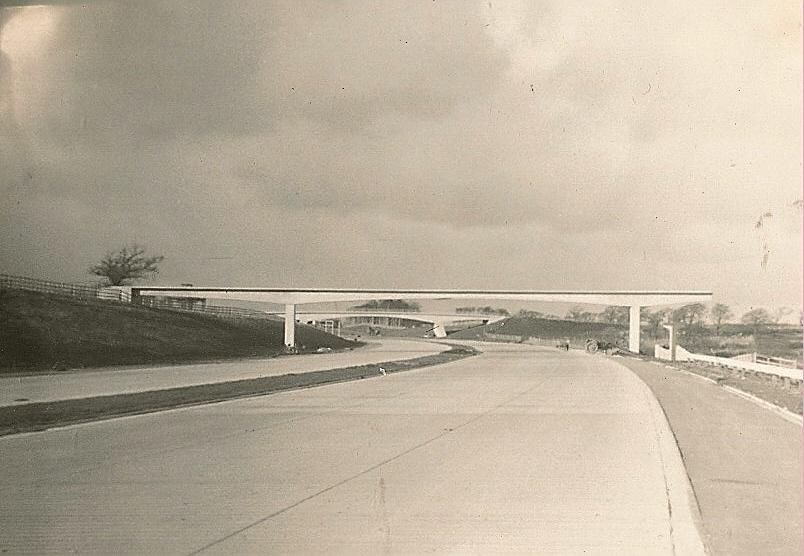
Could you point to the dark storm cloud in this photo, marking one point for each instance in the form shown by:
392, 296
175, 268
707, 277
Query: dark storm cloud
351, 62
140, 72
13, 148
526, 144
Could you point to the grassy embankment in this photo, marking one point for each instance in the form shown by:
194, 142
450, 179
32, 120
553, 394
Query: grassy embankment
42, 332
548, 329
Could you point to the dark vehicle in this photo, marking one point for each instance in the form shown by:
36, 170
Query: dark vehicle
594, 345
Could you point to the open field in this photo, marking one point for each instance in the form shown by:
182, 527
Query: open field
734, 339
43, 332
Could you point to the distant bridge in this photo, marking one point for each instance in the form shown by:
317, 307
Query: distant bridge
438, 320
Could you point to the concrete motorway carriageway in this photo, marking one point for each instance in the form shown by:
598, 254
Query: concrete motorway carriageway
519, 450
121, 380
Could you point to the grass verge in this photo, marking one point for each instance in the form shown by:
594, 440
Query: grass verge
42, 416
770, 388
786, 394
45, 332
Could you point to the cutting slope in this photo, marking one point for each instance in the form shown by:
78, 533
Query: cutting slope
534, 327
42, 332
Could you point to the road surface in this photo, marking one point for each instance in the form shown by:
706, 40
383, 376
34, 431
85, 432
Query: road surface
744, 462
519, 450
122, 380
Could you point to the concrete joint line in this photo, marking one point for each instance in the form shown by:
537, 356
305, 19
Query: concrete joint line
364, 472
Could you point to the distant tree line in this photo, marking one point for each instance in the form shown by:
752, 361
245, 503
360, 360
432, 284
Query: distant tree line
695, 318
484, 310
537, 315
390, 304
687, 318
611, 315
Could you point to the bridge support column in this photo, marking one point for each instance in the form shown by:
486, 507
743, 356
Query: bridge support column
439, 330
633, 328
290, 326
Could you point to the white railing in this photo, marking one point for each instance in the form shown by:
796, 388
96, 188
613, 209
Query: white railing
63, 288
767, 360
777, 361
729, 362
122, 294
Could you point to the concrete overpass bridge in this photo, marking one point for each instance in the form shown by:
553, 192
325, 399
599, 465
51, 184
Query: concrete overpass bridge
291, 297
438, 320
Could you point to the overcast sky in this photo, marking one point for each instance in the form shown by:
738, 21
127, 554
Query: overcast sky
430, 144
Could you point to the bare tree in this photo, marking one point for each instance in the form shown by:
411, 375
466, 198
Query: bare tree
531, 314
615, 315
720, 313
780, 313
579, 315
128, 264
690, 315
757, 318
655, 319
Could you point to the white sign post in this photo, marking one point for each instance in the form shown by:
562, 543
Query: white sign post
671, 329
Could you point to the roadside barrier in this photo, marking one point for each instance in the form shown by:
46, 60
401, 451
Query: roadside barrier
122, 294
93, 291
682, 354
